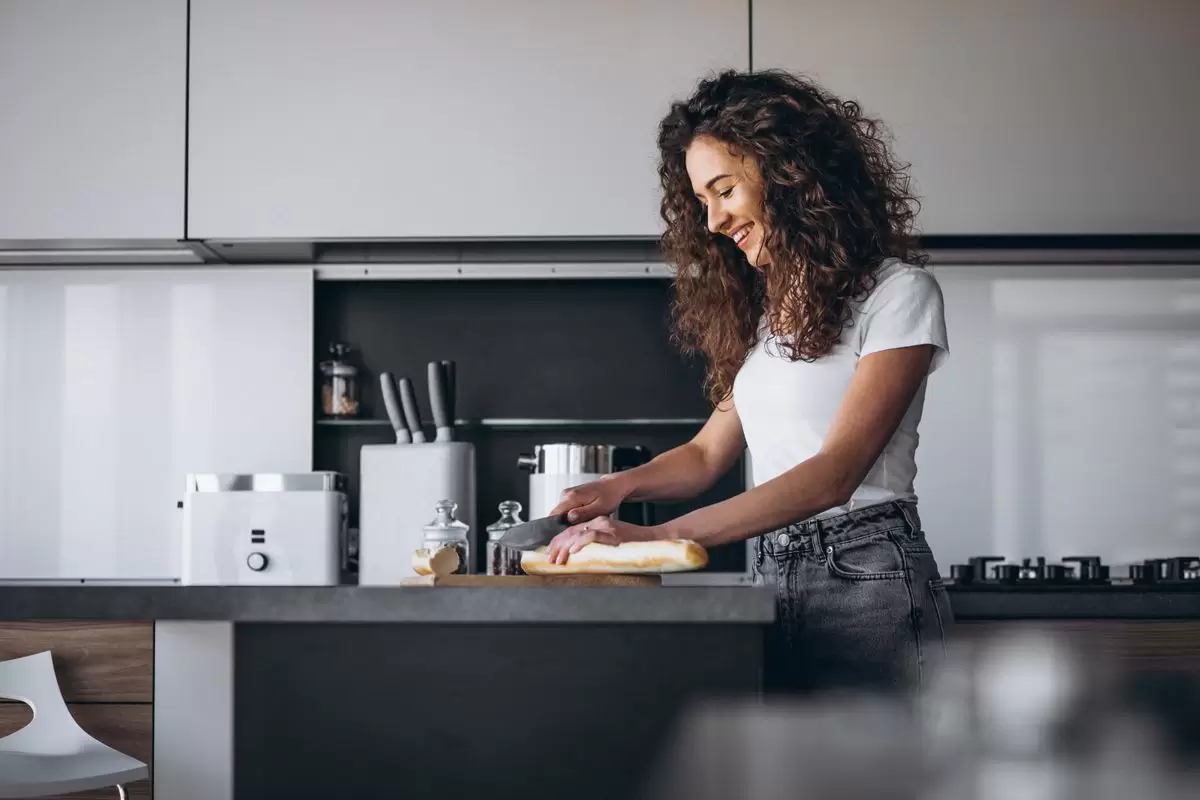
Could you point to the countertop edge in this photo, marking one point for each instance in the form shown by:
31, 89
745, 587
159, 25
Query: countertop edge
400, 605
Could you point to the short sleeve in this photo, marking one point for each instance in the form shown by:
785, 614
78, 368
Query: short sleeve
905, 309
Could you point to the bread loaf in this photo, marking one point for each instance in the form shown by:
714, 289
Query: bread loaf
443, 561
674, 555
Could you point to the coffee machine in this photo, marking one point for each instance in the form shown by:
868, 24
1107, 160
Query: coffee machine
558, 466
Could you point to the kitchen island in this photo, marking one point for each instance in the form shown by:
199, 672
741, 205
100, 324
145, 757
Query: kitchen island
471, 692
420, 692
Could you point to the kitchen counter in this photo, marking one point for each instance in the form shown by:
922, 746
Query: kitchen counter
423, 605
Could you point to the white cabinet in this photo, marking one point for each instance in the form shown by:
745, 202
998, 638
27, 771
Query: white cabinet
92, 109
116, 384
1021, 117
456, 119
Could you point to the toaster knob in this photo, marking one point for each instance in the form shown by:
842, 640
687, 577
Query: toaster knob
257, 561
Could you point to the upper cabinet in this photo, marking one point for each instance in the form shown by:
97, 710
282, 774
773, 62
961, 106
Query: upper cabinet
92, 110
455, 119
1021, 117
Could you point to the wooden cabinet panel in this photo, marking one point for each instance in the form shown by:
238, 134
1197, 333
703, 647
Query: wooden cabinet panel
124, 727
95, 661
1136, 644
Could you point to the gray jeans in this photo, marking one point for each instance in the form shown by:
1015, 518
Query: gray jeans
860, 603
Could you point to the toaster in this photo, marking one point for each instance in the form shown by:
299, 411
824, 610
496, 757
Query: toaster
264, 529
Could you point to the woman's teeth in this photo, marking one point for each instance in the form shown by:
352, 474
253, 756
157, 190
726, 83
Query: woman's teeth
740, 234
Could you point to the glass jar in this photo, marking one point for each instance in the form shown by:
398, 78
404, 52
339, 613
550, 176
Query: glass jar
446, 531
339, 387
503, 560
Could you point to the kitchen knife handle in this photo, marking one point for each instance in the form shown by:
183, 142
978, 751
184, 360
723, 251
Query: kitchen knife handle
437, 401
451, 395
387, 384
408, 399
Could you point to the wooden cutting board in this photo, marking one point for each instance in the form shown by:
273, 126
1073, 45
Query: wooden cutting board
533, 580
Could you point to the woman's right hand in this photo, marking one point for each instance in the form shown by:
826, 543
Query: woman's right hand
590, 500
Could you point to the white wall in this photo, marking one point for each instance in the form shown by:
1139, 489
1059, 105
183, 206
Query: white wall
115, 384
1067, 419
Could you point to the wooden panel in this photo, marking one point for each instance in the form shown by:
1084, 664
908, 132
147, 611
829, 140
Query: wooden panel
95, 661
1141, 644
125, 727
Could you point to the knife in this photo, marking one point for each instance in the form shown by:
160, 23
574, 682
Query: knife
438, 403
408, 399
448, 382
535, 533
387, 382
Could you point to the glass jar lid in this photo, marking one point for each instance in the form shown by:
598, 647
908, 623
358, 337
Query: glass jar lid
444, 525
510, 514
338, 366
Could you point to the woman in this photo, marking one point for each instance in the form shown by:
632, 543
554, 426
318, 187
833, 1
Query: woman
789, 224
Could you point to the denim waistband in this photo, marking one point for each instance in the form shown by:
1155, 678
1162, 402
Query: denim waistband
896, 516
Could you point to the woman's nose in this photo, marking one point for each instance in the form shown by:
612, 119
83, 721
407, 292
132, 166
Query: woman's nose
716, 219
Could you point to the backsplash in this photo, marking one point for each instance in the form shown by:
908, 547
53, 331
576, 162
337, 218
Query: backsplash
1067, 418
116, 383
1066, 421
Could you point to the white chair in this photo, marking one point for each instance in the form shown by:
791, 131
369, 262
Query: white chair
52, 754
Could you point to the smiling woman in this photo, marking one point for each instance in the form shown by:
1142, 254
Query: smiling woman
790, 225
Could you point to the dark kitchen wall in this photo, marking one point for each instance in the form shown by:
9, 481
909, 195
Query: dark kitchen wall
557, 349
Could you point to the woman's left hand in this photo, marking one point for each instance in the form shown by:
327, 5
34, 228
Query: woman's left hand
603, 529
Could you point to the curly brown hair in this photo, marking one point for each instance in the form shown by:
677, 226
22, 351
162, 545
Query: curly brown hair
836, 204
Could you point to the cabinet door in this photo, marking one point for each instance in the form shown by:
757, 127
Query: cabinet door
92, 106
1021, 117
462, 118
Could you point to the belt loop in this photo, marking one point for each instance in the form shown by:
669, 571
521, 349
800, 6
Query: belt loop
909, 518
818, 536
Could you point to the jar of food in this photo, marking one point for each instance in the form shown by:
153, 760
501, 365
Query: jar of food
339, 386
503, 560
446, 531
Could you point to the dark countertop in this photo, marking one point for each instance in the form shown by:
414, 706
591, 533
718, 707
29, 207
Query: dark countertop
712, 604
722, 605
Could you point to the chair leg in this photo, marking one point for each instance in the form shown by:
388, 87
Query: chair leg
120, 792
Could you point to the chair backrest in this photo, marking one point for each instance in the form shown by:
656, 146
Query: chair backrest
31, 680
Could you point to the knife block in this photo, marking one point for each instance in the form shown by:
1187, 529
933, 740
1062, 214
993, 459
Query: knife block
399, 486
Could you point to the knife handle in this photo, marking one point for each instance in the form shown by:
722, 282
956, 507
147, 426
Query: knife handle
387, 383
408, 399
448, 376
437, 401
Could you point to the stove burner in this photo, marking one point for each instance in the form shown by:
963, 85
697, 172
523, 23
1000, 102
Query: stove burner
1159, 571
1074, 571
1090, 571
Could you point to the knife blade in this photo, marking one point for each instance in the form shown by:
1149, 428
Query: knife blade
535, 533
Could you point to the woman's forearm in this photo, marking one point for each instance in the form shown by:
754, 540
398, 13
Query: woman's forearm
809, 488
678, 474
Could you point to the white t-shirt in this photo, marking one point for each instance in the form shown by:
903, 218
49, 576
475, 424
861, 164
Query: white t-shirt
786, 407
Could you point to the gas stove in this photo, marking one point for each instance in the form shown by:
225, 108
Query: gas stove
1075, 572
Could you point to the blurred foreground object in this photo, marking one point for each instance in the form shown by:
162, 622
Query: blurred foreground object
1021, 714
